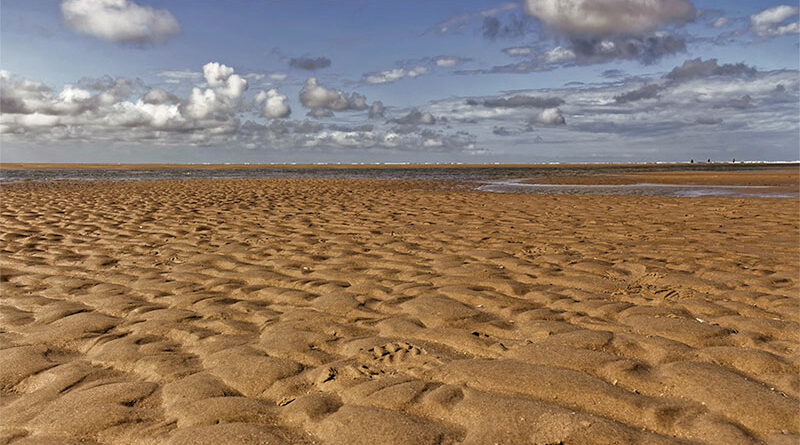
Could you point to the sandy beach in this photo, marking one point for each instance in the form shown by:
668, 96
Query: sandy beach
343, 311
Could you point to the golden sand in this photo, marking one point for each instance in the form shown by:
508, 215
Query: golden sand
368, 312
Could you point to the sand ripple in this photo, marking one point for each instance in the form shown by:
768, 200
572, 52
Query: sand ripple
357, 311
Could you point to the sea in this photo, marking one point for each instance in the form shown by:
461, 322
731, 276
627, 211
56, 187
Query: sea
495, 178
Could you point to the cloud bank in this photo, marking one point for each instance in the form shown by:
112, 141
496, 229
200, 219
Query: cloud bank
630, 115
119, 111
664, 118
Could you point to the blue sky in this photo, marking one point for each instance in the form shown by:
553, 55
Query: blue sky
360, 81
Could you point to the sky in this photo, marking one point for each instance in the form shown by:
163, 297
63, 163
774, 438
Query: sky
471, 81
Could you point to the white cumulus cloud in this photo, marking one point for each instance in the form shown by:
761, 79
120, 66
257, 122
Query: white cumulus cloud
222, 79
551, 116
447, 61
275, 105
119, 20
720, 22
387, 76
775, 21
559, 54
314, 95
417, 71
224, 95
609, 16
518, 51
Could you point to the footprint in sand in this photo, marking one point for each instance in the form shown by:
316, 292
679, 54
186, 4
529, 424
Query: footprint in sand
401, 356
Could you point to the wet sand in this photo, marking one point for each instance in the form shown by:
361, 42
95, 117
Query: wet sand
774, 177
779, 181
410, 312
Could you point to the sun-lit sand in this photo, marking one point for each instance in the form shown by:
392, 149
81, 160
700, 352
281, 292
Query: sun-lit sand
366, 312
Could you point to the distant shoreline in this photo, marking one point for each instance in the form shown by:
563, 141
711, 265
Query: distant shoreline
133, 166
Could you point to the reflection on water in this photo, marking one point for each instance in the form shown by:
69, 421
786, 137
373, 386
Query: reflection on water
638, 189
491, 178
469, 174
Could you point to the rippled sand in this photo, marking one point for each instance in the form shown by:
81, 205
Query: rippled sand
365, 312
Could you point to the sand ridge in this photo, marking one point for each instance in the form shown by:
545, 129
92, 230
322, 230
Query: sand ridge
364, 311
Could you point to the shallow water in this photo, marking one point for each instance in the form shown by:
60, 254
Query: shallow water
470, 174
493, 178
682, 190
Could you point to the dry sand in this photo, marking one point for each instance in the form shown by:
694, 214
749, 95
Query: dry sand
367, 312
